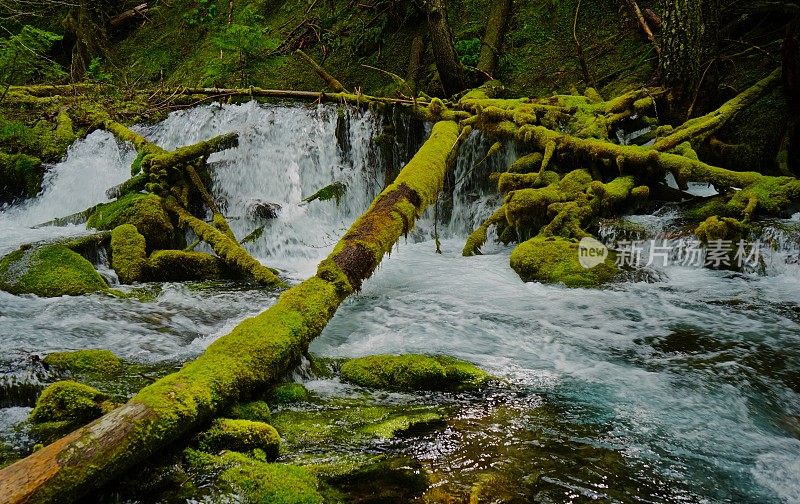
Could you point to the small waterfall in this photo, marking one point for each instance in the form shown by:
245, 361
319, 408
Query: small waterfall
80, 180
285, 154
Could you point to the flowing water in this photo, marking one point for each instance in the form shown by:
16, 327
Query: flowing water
692, 379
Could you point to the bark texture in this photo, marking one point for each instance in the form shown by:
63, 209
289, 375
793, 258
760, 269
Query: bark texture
451, 72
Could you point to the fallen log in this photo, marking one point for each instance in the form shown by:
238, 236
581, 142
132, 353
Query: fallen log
256, 353
329, 79
220, 238
138, 12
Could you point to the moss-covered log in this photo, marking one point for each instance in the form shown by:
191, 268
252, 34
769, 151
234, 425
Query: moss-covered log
226, 248
257, 352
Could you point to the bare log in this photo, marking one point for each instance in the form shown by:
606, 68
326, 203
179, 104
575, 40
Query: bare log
138, 12
644, 25
256, 353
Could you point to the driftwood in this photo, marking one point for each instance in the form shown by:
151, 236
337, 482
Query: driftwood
256, 353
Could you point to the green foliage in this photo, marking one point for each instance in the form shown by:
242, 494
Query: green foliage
95, 72
468, 51
204, 13
23, 57
245, 38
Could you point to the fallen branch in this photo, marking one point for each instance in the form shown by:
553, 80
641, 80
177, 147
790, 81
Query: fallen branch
637, 12
329, 79
256, 353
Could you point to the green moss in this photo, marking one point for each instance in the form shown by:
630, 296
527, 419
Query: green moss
178, 266
64, 406
413, 372
289, 393
262, 483
351, 424
20, 176
128, 253
99, 363
257, 411
49, 271
253, 481
241, 435
555, 260
143, 211
716, 228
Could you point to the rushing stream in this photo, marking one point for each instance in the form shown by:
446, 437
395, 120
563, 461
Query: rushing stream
693, 379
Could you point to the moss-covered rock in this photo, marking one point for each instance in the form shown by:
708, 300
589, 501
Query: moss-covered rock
556, 260
49, 271
128, 253
413, 372
256, 481
348, 424
64, 406
288, 393
389, 480
241, 435
143, 211
257, 411
719, 228
94, 363
179, 266
20, 176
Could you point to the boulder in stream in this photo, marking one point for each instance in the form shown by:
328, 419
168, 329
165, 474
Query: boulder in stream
49, 271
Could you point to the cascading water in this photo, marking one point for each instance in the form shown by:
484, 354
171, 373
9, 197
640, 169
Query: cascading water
693, 377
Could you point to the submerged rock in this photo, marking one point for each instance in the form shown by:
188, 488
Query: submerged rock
93, 363
348, 424
243, 436
556, 260
263, 210
413, 372
49, 271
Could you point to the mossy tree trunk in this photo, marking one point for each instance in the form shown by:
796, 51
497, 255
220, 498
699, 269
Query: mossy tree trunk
256, 353
688, 48
451, 72
493, 38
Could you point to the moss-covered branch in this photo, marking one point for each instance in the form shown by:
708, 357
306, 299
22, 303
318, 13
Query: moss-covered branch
226, 248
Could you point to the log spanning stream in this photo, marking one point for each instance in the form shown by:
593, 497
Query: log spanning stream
690, 380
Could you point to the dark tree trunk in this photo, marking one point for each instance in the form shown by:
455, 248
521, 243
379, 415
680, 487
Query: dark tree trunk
493, 38
689, 46
87, 21
451, 73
